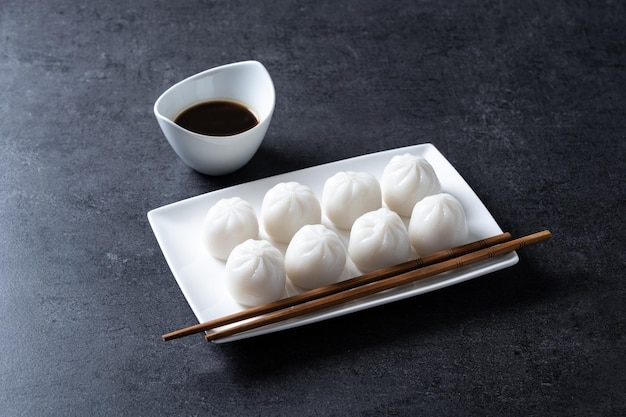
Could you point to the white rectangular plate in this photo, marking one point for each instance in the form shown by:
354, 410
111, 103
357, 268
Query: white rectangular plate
200, 276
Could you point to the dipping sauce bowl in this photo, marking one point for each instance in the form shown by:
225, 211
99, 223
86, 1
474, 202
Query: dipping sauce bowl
247, 83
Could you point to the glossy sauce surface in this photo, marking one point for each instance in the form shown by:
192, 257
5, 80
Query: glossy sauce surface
217, 118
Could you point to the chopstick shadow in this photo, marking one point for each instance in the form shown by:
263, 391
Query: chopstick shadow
402, 321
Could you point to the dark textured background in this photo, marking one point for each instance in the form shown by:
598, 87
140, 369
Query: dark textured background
526, 99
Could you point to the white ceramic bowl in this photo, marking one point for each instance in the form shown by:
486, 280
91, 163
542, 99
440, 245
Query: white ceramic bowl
245, 82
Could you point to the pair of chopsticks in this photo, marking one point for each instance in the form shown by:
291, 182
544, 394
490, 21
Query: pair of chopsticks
361, 286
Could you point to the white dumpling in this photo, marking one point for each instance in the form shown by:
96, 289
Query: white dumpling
438, 222
348, 195
286, 208
315, 257
406, 180
255, 273
378, 239
228, 223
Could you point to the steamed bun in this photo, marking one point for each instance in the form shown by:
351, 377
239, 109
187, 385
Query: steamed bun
406, 180
286, 208
348, 195
228, 223
315, 257
438, 222
378, 239
255, 273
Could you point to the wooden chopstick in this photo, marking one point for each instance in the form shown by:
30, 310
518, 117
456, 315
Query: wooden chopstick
339, 286
396, 281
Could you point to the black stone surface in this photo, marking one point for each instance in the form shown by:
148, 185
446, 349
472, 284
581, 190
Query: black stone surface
526, 99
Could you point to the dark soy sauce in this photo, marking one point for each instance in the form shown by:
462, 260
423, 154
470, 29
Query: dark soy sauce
217, 118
